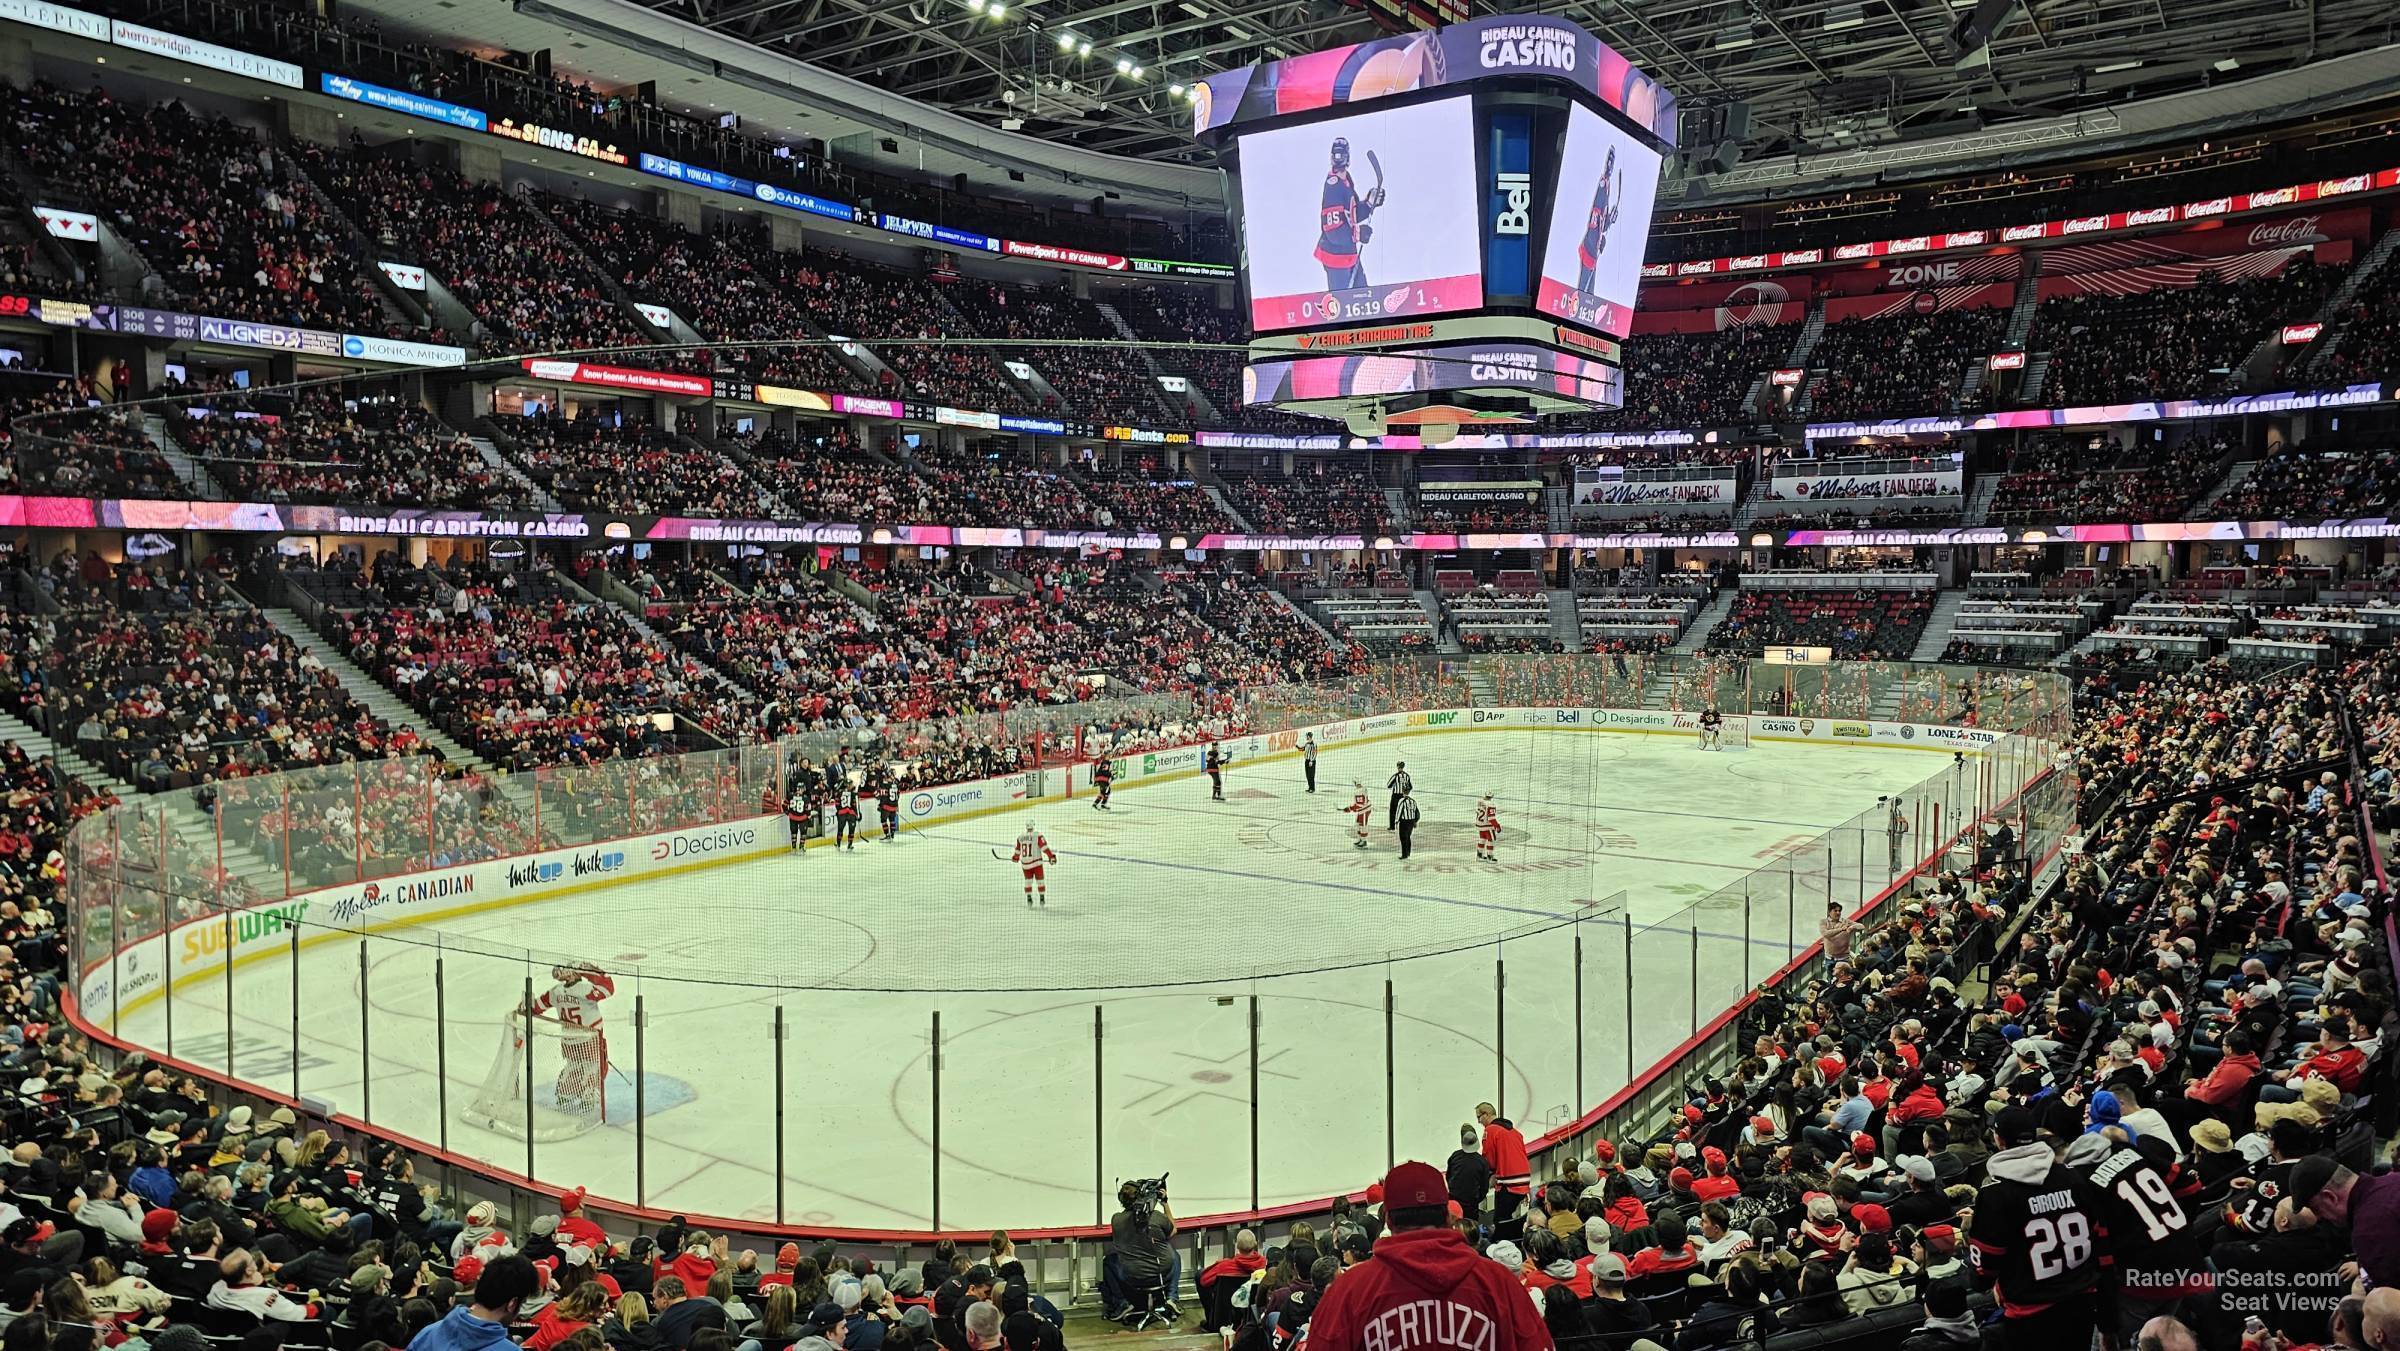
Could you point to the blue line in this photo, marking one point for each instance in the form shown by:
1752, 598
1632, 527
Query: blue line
1372, 891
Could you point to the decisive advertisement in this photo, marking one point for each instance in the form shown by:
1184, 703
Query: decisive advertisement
1599, 225
1362, 217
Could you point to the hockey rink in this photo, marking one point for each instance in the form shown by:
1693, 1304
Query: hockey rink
1166, 918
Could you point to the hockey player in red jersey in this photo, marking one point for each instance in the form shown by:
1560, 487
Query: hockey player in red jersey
575, 1001
1361, 811
1487, 830
1031, 853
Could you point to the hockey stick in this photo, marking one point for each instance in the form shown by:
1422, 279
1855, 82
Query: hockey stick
1377, 166
1004, 858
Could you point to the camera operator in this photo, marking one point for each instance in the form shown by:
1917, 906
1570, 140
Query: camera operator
1138, 1249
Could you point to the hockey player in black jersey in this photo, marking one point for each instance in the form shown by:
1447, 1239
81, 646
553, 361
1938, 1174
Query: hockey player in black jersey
1342, 221
845, 816
1603, 214
2040, 1237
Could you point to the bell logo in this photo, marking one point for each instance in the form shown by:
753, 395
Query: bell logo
1515, 192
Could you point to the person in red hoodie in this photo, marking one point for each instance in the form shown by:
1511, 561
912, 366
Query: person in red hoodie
1512, 1172
1715, 1184
696, 1262
1425, 1289
1218, 1282
2224, 1084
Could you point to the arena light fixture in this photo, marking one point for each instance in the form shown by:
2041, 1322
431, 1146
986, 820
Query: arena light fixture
999, 12
1176, 90
1083, 49
1124, 66
2114, 66
1066, 42
1137, 72
975, 6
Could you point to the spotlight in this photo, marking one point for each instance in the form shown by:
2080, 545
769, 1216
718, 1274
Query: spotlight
1066, 42
1176, 90
1083, 49
1124, 67
1137, 72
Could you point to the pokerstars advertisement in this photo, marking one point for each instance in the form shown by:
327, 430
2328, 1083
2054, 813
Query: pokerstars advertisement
1362, 217
1599, 225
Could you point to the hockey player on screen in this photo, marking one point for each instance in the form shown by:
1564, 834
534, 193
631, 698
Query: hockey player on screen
1361, 811
1596, 225
1487, 831
1342, 220
1712, 730
1104, 778
1031, 853
575, 1001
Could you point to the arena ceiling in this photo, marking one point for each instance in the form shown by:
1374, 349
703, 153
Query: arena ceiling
1816, 74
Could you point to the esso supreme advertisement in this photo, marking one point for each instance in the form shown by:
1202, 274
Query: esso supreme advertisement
1599, 225
1362, 217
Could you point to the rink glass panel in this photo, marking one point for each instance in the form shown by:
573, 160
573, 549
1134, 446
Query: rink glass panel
1500, 1019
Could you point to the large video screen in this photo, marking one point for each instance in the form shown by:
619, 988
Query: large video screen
1362, 217
1607, 183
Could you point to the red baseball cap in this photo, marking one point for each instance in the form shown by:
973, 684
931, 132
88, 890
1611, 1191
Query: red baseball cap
1763, 1127
1713, 1157
1681, 1179
1862, 1144
1415, 1186
468, 1270
1605, 1151
1872, 1219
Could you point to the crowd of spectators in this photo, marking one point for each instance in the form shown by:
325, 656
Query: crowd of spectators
2169, 342
158, 676
2082, 477
1070, 344
90, 450
1142, 496
321, 446
522, 682
1874, 624
2369, 346
2298, 482
205, 200
1901, 365
1695, 379
488, 246
593, 464
1318, 497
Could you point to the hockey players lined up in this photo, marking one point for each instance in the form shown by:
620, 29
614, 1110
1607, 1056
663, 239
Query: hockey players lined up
1031, 853
1104, 778
1487, 830
575, 1001
1360, 810
1712, 729
845, 816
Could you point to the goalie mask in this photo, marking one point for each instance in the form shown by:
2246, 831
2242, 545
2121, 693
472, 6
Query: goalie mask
1341, 153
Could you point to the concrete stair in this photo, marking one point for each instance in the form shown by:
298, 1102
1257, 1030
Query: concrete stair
188, 471
1979, 498
1938, 625
1753, 502
1805, 342
1224, 501
2036, 374
1482, 689
193, 829
1565, 625
507, 468
378, 700
1432, 605
1705, 623
2339, 303
2234, 478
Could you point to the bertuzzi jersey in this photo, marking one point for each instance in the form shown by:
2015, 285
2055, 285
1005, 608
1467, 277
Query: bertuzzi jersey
2040, 1233
2157, 1247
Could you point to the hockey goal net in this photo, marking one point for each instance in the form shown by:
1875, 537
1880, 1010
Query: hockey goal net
1734, 735
548, 1081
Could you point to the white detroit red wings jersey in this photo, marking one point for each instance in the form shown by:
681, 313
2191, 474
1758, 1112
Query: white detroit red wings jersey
1033, 849
576, 1000
1487, 819
1361, 808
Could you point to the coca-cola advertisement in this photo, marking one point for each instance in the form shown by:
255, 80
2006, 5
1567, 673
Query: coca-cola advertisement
2293, 230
